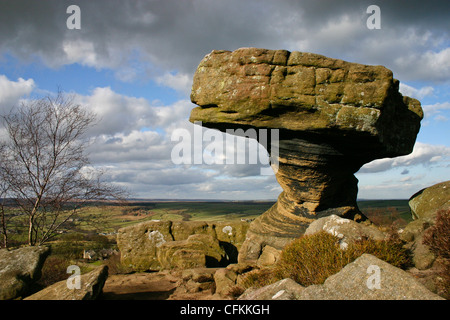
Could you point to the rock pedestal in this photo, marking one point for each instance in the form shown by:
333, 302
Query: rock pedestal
332, 117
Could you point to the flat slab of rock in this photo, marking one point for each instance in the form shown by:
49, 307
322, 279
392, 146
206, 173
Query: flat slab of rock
286, 289
91, 286
19, 269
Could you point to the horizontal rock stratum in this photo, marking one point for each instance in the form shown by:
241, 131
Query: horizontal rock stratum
333, 117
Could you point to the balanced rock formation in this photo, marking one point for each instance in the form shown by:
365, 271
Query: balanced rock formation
20, 269
332, 117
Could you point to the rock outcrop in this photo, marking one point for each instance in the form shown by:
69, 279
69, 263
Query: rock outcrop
157, 245
91, 285
198, 250
366, 278
19, 269
424, 206
427, 202
333, 116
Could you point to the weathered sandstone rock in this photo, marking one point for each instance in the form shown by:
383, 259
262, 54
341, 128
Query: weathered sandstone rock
227, 278
359, 281
198, 250
333, 116
427, 202
196, 280
345, 229
146, 246
286, 289
19, 269
367, 278
91, 285
424, 206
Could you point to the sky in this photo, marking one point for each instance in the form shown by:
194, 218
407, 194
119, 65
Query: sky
132, 63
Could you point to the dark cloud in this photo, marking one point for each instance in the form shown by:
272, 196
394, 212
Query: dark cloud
175, 35
165, 40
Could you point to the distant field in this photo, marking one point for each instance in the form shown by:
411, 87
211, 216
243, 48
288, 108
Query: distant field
110, 218
107, 218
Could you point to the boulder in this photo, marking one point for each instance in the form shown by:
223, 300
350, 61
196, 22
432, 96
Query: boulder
91, 285
427, 202
424, 206
19, 269
332, 117
345, 229
140, 244
369, 278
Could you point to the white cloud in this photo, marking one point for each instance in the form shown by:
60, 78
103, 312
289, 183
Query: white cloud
181, 82
432, 109
425, 65
437, 112
416, 93
423, 154
118, 113
80, 51
12, 91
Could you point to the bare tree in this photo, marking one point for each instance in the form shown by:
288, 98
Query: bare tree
3, 229
44, 165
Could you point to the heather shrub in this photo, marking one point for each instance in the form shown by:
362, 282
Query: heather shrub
261, 277
437, 238
390, 250
311, 259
